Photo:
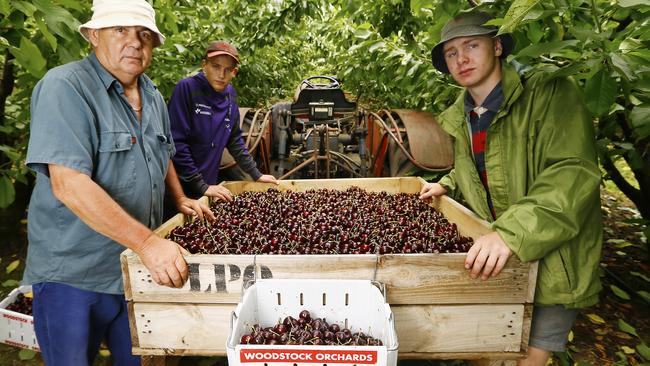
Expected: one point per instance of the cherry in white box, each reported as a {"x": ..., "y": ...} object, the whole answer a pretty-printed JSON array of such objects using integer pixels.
[
  {"x": 358, "y": 305},
  {"x": 17, "y": 329}
]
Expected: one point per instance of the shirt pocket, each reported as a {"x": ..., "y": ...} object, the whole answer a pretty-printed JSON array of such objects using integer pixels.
[
  {"x": 166, "y": 145},
  {"x": 115, "y": 166}
]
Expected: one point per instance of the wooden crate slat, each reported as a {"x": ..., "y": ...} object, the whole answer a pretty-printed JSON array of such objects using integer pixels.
[
  {"x": 443, "y": 279},
  {"x": 409, "y": 279},
  {"x": 459, "y": 328},
  {"x": 212, "y": 279},
  {"x": 177, "y": 327},
  {"x": 186, "y": 329}
]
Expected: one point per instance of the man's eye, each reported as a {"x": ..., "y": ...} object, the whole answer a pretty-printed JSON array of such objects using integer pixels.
[
  {"x": 119, "y": 29},
  {"x": 450, "y": 54}
]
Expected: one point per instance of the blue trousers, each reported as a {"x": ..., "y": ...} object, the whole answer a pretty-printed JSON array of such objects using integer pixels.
[{"x": 71, "y": 323}]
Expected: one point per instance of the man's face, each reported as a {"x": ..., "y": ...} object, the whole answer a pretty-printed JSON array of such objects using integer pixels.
[
  {"x": 473, "y": 61},
  {"x": 219, "y": 70},
  {"x": 124, "y": 51}
]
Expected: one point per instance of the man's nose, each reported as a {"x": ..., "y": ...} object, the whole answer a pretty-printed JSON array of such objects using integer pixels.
[{"x": 134, "y": 38}]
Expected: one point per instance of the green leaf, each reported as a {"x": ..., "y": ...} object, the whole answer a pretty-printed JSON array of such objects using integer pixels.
[
  {"x": 600, "y": 91},
  {"x": 644, "y": 351},
  {"x": 71, "y": 4},
  {"x": 7, "y": 192},
  {"x": 46, "y": 33},
  {"x": 26, "y": 354},
  {"x": 58, "y": 19},
  {"x": 641, "y": 275},
  {"x": 25, "y": 7},
  {"x": 535, "y": 50},
  {"x": 30, "y": 57},
  {"x": 620, "y": 293},
  {"x": 12, "y": 266},
  {"x": 640, "y": 120},
  {"x": 10, "y": 152},
  {"x": 362, "y": 33},
  {"x": 375, "y": 46},
  {"x": 646, "y": 296},
  {"x": 516, "y": 14},
  {"x": 11, "y": 283},
  {"x": 631, "y": 3},
  {"x": 622, "y": 66},
  {"x": 595, "y": 318},
  {"x": 625, "y": 327},
  {"x": 627, "y": 350},
  {"x": 5, "y": 8}
]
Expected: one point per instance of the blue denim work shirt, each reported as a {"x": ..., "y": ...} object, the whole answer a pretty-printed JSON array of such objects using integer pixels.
[{"x": 81, "y": 120}]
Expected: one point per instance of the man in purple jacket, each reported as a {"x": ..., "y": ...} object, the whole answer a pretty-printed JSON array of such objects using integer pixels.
[{"x": 205, "y": 120}]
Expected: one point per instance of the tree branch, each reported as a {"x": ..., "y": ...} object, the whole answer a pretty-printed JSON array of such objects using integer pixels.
[
  {"x": 620, "y": 181},
  {"x": 7, "y": 83}
]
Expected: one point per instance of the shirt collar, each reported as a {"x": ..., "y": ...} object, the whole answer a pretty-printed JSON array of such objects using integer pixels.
[
  {"x": 492, "y": 102},
  {"x": 108, "y": 79}
]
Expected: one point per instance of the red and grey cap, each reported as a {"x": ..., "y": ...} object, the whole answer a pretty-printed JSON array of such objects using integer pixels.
[{"x": 217, "y": 48}]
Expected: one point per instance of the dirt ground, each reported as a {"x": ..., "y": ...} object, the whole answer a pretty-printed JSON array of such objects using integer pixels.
[{"x": 614, "y": 332}]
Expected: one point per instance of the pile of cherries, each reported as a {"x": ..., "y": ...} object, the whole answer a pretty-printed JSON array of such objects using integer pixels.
[
  {"x": 23, "y": 305},
  {"x": 322, "y": 221},
  {"x": 308, "y": 331}
]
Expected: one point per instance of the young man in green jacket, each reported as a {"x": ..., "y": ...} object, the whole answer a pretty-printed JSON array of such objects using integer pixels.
[{"x": 525, "y": 161}]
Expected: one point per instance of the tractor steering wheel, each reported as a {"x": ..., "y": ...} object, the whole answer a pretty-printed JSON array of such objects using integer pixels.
[{"x": 333, "y": 84}]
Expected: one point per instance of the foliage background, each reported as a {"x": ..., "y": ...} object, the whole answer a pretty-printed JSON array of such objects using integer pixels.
[{"x": 378, "y": 49}]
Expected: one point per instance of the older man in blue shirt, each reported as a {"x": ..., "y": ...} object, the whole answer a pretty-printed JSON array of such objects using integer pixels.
[{"x": 101, "y": 145}]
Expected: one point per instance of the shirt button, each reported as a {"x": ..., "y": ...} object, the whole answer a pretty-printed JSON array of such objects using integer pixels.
[
  {"x": 149, "y": 158},
  {"x": 155, "y": 186}
]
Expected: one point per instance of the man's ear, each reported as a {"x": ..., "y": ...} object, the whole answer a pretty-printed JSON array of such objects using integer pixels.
[
  {"x": 498, "y": 47},
  {"x": 234, "y": 72},
  {"x": 93, "y": 36}
]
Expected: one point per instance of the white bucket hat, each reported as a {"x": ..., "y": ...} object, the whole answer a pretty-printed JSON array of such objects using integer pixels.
[{"x": 111, "y": 13}]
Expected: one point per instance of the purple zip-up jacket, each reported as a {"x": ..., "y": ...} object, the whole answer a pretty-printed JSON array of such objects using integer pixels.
[{"x": 201, "y": 131}]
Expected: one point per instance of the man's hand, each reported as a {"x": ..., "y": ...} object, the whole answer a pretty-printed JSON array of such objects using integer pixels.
[
  {"x": 266, "y": 178},
  {"x": 164, "y": 260},
  {"x": 431, "y": 189},
  {"x": 487, "y": 256},
  {"x": 219, "y": 192},
  {"x": 192, "y": 207}
]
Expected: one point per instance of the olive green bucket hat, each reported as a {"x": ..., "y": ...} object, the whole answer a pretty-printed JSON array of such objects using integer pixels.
[{"x": 466, "y": 25}]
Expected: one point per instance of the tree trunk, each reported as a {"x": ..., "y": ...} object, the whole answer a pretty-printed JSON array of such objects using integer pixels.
[{"x": 6, "y": 87}]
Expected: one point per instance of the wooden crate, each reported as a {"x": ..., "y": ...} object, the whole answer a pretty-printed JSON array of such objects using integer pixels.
[{"x": 440, "y": 312}]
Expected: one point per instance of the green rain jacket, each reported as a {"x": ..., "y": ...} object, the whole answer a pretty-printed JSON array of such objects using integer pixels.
[{"x": 543, "y": 178}]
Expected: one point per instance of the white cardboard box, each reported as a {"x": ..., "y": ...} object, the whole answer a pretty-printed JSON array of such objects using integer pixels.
[
  {"x": 358, "y": 304},
  {"x": 17, "y": 329}
]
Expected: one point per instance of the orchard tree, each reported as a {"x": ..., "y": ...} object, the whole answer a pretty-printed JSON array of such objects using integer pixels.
[{"x": 34, "y": 37}]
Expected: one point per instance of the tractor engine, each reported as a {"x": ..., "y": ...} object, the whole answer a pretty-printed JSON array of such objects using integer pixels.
[
  {"x": 323, "y": 135},
  {"x": 320, "y": 135}
]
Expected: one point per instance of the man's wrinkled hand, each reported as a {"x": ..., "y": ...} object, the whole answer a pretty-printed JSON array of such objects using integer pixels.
[
  {"x": 164, "y": 260},
  {"x": 219, "y": 192},
  {"x": 487, "y": 256},
  {"x": 192, "y": 207}
]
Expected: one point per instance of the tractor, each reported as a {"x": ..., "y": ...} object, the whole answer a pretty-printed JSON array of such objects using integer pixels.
[{"x": 322, "y": 134}]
